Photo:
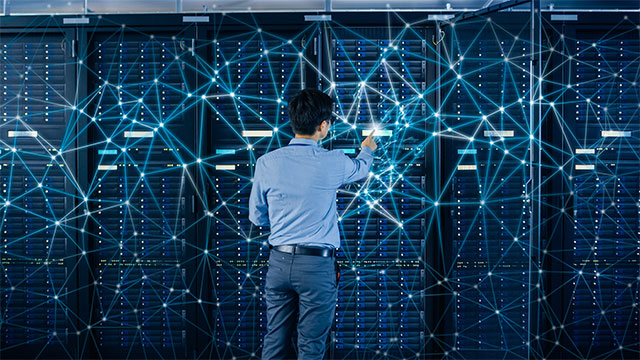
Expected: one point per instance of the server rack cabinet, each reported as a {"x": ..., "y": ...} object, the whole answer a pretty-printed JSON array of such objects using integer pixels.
[
  {"x": 39, "y": 249},
  {"x": 593, "y": 303},
  {"x": 253, "y": 72},
  {"x": 140, "y": 142},
  {"x": 485, "y": 92},
  {"x": 378, "y": 77}
]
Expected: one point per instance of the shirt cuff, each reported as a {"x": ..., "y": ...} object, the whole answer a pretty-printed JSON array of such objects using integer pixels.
[{"x": 367, "y": 150}]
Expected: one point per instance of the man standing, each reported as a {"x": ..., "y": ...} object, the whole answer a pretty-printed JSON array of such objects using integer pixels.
[{"x": 294, "y": 191}]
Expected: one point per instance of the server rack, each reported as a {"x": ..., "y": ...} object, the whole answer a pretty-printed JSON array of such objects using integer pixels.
[
  {"x": 602, "y": 108},
  {"x": 486, "y": 88},
  {"x": 140, "y": 155},
  {"x": 377, "y": 79},
  {"x": 38, "y": 230},
  {"x": 247, "y": 86}
]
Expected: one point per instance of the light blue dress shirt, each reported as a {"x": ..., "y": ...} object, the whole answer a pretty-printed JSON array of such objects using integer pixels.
[{"x": 294, "y": 191}]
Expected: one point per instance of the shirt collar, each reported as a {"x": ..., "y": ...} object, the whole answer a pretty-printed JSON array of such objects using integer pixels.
[{"x": 303, "y": 142}]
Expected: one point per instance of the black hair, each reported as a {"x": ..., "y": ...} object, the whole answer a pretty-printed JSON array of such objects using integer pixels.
[{"x": 308, "y": 109}]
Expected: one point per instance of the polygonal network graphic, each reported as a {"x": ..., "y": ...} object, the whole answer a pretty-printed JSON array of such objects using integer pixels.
[{"x": 500, "y": 218}]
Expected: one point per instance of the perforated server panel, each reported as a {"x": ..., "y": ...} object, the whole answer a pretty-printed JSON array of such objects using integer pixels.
[
  {"x": 488, "y": 153},
  {"x": 251, "y": 80},
  {"x": 38, "y": 249},
  {"x": 138, "y": 197},
  {"x": 377, "y": 81},
  {"x": 604, "y": 241}
]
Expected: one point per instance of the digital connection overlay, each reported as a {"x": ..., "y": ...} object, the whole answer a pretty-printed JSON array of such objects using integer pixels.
[{"x": 500, "y": 219}]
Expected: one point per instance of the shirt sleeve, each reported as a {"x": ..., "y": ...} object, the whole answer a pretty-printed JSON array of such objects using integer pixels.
[
  {"x": 258, "y": 208},
  {"x": 358, "y": 168}
]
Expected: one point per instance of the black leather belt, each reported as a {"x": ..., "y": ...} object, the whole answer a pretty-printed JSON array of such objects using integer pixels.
[{"x": 305, "y": 250}]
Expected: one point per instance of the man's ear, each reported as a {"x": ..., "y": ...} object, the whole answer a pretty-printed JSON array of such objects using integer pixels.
[{"x": 319, "y": 129}]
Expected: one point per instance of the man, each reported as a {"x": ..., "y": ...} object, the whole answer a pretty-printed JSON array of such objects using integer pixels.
[{"x": 294, "y": 191}]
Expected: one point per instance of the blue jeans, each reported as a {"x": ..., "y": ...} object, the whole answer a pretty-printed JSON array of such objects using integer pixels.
[{"x": 301, "y": 293}]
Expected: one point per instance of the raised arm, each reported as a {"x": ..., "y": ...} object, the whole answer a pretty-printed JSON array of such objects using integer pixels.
[
  {"x": 358, "y": 168},
  {"x": 258, "y": 208}
]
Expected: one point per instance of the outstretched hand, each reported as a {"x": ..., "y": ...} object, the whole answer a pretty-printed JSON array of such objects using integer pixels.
[{"x": 370, "y": 142}]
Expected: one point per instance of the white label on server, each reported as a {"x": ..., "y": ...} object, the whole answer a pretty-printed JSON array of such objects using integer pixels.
[
  {"x": 499, "y": 133},
  {"x": 107, "y": 167},
  {"x": 199, "y": 19},
  {"x": 467, "y": 167},
  {"x": 225, "y": 167},
  {"x": 138, "y": 134},
  {"x": 564, "y": 17},
  {"x": 257, "y": 133},
  {"x": 23, "y": 134},
  {"x": 75, "y": 20},
  {"x": 585, "y": 151},
  {"x": 585, "y": 167},
  {"x": 615, "y": 133}
]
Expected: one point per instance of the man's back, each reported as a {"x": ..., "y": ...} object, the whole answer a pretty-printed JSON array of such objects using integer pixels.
[
  {"x": 294, "y": 191},
  {"x": 298, "y": 183}
]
